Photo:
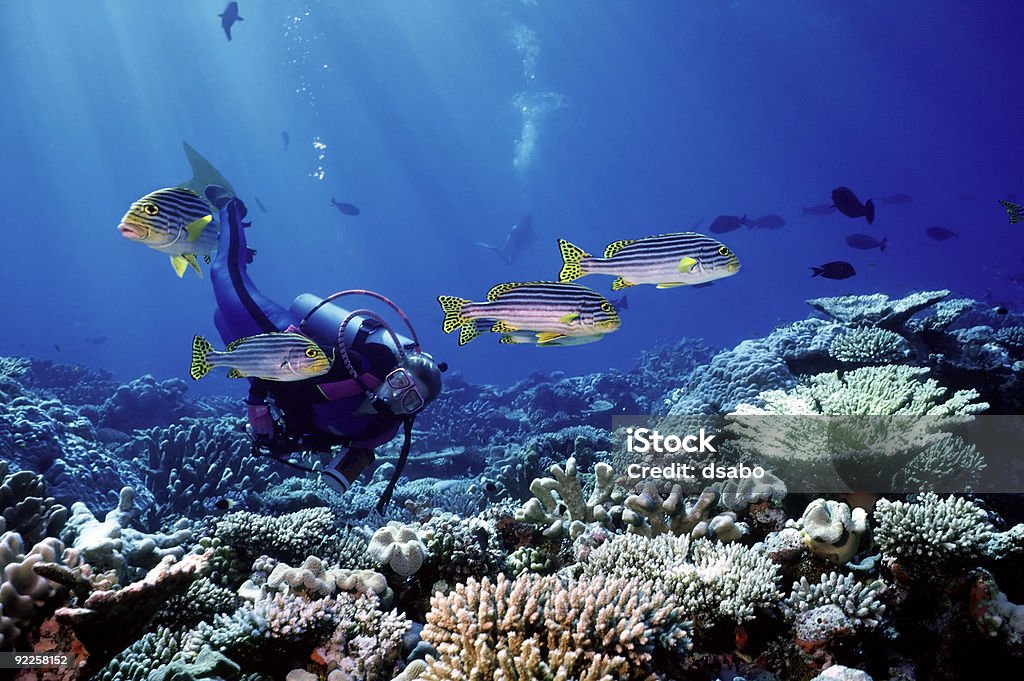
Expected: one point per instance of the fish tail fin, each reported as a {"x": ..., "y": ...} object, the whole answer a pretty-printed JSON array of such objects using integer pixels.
[
  {"x": 1015, "y": 211},
  {"x": 815, "y": 271},
  {"x": 571, "y": 261},
  {"x": 881, "y": 246},
  {"x": 452, "y": 308},
  {"x": 869, "y": 208},
  {"x": 203, "y": 172},
  {"x": 469, "y": 331},
  {"x": 201, "y": 348}
]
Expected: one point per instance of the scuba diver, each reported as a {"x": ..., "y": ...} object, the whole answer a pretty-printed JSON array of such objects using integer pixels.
[{"x": 376, "y": 385}]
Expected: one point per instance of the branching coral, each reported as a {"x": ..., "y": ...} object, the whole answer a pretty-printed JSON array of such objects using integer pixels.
[
  {"x": 858, "y": 601},
  {"x": 868, "y": 345},
  {"x": 539, "y": 627},
  {"x": 877, "y": 309},
  {"x": 558, "y": 502},
  {"x": 290, "y": 537}
]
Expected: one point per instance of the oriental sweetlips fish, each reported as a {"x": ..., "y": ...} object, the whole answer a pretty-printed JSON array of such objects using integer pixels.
[
  {"x": 666, "y": 260},
  {"x": 554, "y": 312},
  {"x": 176, "y": 221},
  {"x": 270, "y": 356},
  {"x": 1015, "y": 211}
]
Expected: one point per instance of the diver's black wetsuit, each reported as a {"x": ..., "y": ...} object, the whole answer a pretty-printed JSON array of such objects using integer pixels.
[{"x": 318, "y": 412}]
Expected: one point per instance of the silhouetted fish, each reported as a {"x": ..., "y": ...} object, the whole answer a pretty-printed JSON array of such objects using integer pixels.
[
  {"x": 866, "y": 242},
  {"x": 727, "y": 223},
  {"x": 518, "y": 240},
  {"x": 897, "y": 199},
  {"x": 769, "y": 221},
  {"x": 228, "y": 18},
  {"x": 346, "y": 208},
  {"x": 259, "y": 203},
  {"x": 940, "y": 233},
  {"x": 285, "y": 139},
  {"x": 96, "y": 340},
  {"x": 56, "y": 347},
  {"x": 849, "y": 205},
  {"x": 836, "y": 269},
  {"x": 820, "y": 209}
]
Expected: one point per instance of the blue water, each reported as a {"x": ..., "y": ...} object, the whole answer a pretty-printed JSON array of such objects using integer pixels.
[{"x": 664, "y": 113}]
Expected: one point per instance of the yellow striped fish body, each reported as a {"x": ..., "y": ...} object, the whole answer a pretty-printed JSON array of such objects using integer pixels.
[
  {"x": 666, "y": 260},
  {"x": 550, "y": 310},
  {"x": 175, "y": 221},
  {"x": 270, "y": 356}
]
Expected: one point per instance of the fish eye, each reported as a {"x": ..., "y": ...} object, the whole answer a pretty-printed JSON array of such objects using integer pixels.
[
  {"x": 608, "y": 307},
  {"x": 311, "y": 353},
  {"x": 150, "y": 208},
  {"x": 722, "y": 250}
]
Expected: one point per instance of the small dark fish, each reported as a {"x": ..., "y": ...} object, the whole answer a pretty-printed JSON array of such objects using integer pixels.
[
  {"x": 56, "y": 347},
  {"x": 259, "y": 203},
  {"x": 1000, "y": 310},
  {"x": 836, "y": 269},
  {"x": 849, "y": 205},
  {"x": 229, "y": 17},
  {"x": 346, "y": 208},
  {"x": 727, "y": 223},
  {"x": 967, "y": 198},
  {"x": 1015, "y": 211},
  {"x": 820, "y": 209},
  {"x": 897, "y": 199},
  {"x": 518, "y": 240},
  {"x": 940, "y": 233},
  {"x": 770, "y": 221},
  {"x": 286, "y": 139},
  {"x": 96, "y": 340},
  {"x": 866, "y": 242}
]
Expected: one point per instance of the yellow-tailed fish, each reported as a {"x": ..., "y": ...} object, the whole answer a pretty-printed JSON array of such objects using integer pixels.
[
  {"x": 270, "y": 356},
  {"x": 550, "y": 310},
  {"x": 175, "y": 221},
  {"x": 178, "y": 221},
  {"x": 666, "y": 260}
]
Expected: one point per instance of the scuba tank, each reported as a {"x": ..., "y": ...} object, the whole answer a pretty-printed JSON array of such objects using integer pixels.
[{"x": 321, "y": 320}]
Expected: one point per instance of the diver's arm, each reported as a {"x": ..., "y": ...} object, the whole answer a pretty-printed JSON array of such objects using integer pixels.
[{"x": 241, "y": 309}]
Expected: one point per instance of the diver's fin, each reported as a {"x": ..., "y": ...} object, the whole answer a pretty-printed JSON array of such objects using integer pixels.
[
  {"x": 452, "y": 308},
  {"x": 190, "y": 258},
  {"x": 620, "y": 284},
  {"x": 502, "y": 327},
  {"x": 203, "y": 173},
  {"x": 571, "y": 257},
  {"x": 235, "y": 373},
  {"x": 200, "y": 365},
  {"x": 671, "y": 284},
  {"x": 179, "y": 264},
  {"x": 548, "y": 336},
  {"x": 686, "y": 264},
  {"x": 569, "y": 318},
  {"x": 616, "y": 246},
  {"x": 195, "y": 228},
  {"x": 468, "y": 332}
]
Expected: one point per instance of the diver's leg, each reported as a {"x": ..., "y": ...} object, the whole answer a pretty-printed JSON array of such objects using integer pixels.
[{"x": 241, "y": 309}]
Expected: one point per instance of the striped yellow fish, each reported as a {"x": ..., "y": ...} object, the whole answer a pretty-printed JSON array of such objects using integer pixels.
[
  {"x": 550, "y": 310},
  {"x": 270, "y": 356},
  {"x": 666, "y": 260},
  {"x": 176, "y": 221},
  {"x": 1015, "y": 211}
]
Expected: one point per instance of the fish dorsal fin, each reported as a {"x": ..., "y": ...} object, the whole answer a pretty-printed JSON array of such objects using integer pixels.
[
  {"x": 196, "y": 227},
  {"x": 493, "y": 294},
  {"x": 233, "y": 344},
  {"x": 179, "y": 264},
  {"x": 203, "y": 173},
  {"x": 616, "y": 246}
]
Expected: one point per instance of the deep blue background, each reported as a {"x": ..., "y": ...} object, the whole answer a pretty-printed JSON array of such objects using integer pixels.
[{"x": 675, "y": 111}]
